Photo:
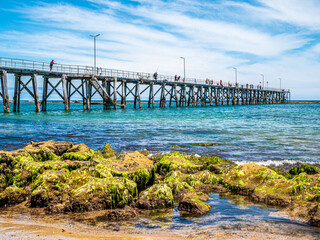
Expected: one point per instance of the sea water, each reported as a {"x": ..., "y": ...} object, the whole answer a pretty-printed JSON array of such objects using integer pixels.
[
  {"x": 266, "y": 134},
  {"x": 262, "y": 133}
]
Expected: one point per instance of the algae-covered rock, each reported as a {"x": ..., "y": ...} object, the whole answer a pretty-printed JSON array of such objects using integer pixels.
[
  {"x": 49, "y": 188},
  {"x": 118, "y": 214},
  {"x": 107, "y": 151},
  {"x": 203, "y": 144},
  {"x": 80, "y": 152},
  {"x": 12, "y": 195},
  {"x": 176, "y": 180},
  {"x": 194, "y": 204},
  {"x": 177, "y": 161},
  {"x": 260, "y": 183},
  {"x": 105, "y": 193},
  {"x": 304, "y": 168},
  {"x": 156, "y": 197},
  {"x": 57, "y": 148},
  {"x": 134, "y": 166}
]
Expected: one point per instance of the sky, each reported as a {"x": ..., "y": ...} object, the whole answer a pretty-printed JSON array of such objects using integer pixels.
[{"x": 276, "y": 38}]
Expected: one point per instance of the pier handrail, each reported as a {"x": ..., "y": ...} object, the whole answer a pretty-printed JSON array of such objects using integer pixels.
[{"x": 105, "y": 72}]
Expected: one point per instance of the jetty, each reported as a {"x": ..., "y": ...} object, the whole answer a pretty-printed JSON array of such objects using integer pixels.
[{"x": 116, "y": 88}]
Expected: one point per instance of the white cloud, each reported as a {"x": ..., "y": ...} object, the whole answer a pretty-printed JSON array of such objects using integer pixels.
[{"x": 155, "y": 34}]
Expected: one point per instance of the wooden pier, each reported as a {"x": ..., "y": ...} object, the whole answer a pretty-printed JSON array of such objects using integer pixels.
[{"x": 115, "y": 88}]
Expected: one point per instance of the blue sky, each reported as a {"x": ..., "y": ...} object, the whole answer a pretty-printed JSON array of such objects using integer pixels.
[{"x": 277, "y": 38}]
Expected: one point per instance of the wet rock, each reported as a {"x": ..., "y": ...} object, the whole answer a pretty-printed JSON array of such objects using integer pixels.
[
  {"x": 203, "y": 144},
  {"x": 107, "y": 151},
  {"x": 79, "y": 152},
  {"x": 118, "y": 214},
  {"x": 134, "y": 166},
  {"x": 144, "y": 152},
  {"x": 49, "y": 188},
  {"x": 176, "y": 180},
  {"x": 156, "y": 197},
  {"x": 194, "y": 204},
  {"x": 57, "y": 148},
  {"x": 177, "y": 161},
  {"x": 104, "y": 193},
  {"x": 175, "y": 146},
  {"x": 309, "y": 169},
  {"x": 12, "y": 195}
]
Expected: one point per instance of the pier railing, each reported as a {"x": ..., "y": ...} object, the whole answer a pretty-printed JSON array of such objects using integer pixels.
[{"x": 89, "y": 70}]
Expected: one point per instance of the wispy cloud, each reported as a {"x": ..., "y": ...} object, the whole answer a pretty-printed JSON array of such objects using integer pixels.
[{"x": 268, "y": 36}]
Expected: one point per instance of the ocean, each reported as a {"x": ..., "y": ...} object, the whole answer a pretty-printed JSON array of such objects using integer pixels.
[{"x": 261, "y": 133}]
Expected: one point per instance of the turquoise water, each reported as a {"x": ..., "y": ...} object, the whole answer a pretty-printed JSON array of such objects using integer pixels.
[{"x": 241, "y": 133}]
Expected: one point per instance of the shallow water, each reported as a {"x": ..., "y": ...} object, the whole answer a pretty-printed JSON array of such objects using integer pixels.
[
  {"x": 241, "y": 133},
  {"x": 231, "y": 217}
]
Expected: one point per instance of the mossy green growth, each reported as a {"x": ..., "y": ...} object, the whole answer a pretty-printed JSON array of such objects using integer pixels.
[
  {"x": 172, "y": 179},
  {"x": 134, "y": 166},
  {"x": 42, "y": 155},
  {"x": 49, "y": 187},
  {"x": 79, "y": 156},
  {"x": 177, "y": 161},
  {"x": 205, "y": 177},
  {"x": 155, "y": 197},
  {"x": 107, "y": 151},
  {"x": 251, "y": 175},
  {"x": 193, "y": 204},
  {"x": 12, "y": 195},
  {"x": 103, "y": 193},
  {"x": 308, "y": 169},
  {"x": 176, "y": 180}
]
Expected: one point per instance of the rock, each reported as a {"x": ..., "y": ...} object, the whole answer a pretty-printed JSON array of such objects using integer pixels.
[
  {"x": 304, "y": 168},
  {"x": 80, "y": 152},
  {"x": 118, "y": 214},
  {"x": 205, "y": 177},
  {"x": 203, "y": 144},
  {"x": 107, "y": 151},
  {"x": 156, "y": 197},
  {"x": 57, "y": 148},
  {"x": 134, "y": 166},
  {"x": 12, "y": 195},
  {"x": 49, "y": 188},
  {"x": 175, "y": 146},
  {"x": 104, "y": 193},
  {"x": 177, "y": 161},
  {"x": 176, "y": 180},
  {"x": 77, "y": 101},
  {"x": 193, "y": 204}
]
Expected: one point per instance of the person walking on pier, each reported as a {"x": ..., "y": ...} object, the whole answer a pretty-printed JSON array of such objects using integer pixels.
[
  {"x": 51, "y": 64},
  {"x": 155, "y": 76}
]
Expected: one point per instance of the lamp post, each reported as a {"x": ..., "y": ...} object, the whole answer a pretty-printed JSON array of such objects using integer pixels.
[
  {"x": 280, "y": 83},
  {"x": 262, "y": 75},
  {"x": 267, "y": 85},
  {"x": 95, "y": 52},
  {"x": 236, "y": 75},
  {"x": 184, "y": 68}
]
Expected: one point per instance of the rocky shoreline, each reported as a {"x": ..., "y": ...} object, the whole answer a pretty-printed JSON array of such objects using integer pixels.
[{"x": 63, "y": 177}]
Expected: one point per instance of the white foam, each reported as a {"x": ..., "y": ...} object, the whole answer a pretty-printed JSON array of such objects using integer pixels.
[{"x": 278, "y": 162}]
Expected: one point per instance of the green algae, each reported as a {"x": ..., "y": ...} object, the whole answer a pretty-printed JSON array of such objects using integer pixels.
[
  {"x": 12, "y": 195},
  {"x": 156, "y": 197},
  {"x": 308, "y": 169},
  {"x": 103, "y": 193}
]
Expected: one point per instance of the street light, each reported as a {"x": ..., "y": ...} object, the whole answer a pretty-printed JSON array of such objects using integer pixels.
[
  {"x": 95, "y": 51},
  {"x": 262, "y": 75},
  {"x": 267, "y": 85},
  {"x": 280, "y": 83},
  {"x": 236, "y": 74},
  {"x": 184, "y": 68}
]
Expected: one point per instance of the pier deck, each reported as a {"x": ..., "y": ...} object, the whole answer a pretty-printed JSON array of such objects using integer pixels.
[{"x": 116, "y": 87}]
